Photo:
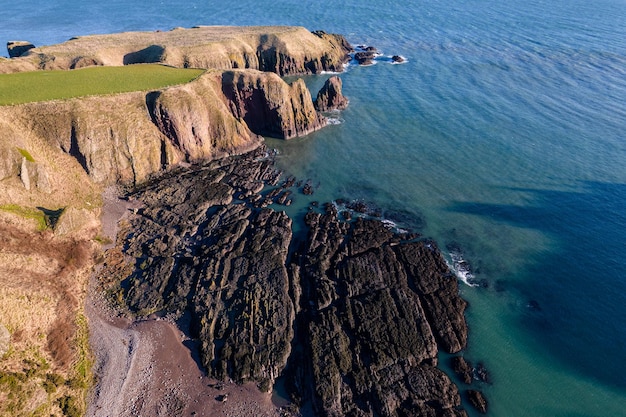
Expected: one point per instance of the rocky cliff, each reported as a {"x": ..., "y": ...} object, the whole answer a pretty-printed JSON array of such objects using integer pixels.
[
  {"x": 330, "y": 96},
  {"x": 353, "y": 314},
  {"x": 268, "y": 107},
  {"x": 125, "y": 138},
  {"x": 280, "y": 49}
]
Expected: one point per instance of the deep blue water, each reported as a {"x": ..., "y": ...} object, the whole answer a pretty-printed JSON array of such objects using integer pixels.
[{"x": 503, "y": 134}]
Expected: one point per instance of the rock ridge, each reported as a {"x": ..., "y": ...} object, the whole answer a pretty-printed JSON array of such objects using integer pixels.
[{"x": 353, "y": 315}]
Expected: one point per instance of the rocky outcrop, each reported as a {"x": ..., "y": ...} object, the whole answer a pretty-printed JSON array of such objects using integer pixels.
[
  {"x": 280, "y": 49},
  {"x": 354, "y": 313},
  {"x": 18, "y": 48},
  {"x": 330, "y": 97},
  {"x": 269, "y": 106},
  {"x": 478, "y": 401},
  {"x": 463, "y": 369},
  {"x": 372, "y": 333},
  {"x": 222, "y": 264},
  {"x": 365, "y": 55}
]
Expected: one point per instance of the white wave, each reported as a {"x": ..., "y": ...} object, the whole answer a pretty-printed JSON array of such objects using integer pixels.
[
  {"x": 462, "y": 269},
  {"x": 334, "y": 120}
]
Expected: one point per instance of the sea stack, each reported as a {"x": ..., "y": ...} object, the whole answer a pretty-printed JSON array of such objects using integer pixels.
[{"x": 330, "y": 96}]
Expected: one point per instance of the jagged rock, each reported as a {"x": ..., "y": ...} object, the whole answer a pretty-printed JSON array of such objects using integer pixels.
[
  {"x": 397, "y": 59},
  {"x": 330, "y": 96},
  {"x": 33, "y": 173},
  {"x": 269, "y": 106},
  {"x": 369, "y": 331},
  {"x": 483, "y": 374},
  {"x": 462, "y": 368},
  {"x": 18, "y": 48},
  {"x": 365, "y": 58},
  {"x": 370, "y": 305},
  {"x": 478, "y": 401}
]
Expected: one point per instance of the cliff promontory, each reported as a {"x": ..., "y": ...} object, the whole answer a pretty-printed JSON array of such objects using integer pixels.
[
  {"x": 280, "y": 49},
  {"x": 57, "y": 157},
  {"x": 127, "y": 137}
]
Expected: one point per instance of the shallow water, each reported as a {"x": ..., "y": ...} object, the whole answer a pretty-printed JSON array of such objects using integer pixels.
[{"x": 502, "y": 134}]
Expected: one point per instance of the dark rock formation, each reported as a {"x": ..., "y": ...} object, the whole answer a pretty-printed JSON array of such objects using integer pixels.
[
  {"x": 354, "y": 314},
  {"x": 222, "y": 264},
  {"x": 18, "y": 48},
  {"x": 478, "y": 400},
  {"x": 365, "y": 58},
  {"x": 330, "y": 96},
  {"x": 462, "y": 368},
  {"x": 371, "y": 342},
  {"x": 397, "y": 59}
]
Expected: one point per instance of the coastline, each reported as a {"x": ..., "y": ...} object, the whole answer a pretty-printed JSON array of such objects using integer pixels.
[{"x": 224, "y": 200}]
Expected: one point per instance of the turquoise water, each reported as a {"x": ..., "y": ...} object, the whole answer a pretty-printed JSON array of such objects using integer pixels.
[{"x": 503, "y": 134}]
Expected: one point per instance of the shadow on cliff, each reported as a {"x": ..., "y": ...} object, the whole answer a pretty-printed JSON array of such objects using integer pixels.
[
  {"x": 251, "y": 105},
  {"x": 151, "y": 54},
  {"x": 576, "y": 293}
]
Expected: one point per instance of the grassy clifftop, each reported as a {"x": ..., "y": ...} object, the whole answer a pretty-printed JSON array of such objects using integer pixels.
[{"x": 32, "y": 86}]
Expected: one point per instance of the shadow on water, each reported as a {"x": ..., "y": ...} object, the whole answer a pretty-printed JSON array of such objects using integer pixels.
[{"x": 575, "y": 294}]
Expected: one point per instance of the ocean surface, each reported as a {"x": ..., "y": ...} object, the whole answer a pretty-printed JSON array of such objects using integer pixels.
[{"x": 502, "y": 137}]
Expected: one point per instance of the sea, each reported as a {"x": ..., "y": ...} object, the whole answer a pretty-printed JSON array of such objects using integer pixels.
[{"x": 502, "y": 137}]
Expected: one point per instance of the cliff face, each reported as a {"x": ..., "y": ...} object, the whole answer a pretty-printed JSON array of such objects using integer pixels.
[
  {"x": 280, "y": 49},
  {"x": 126, "y": 138},
  {"x": 268, "y": 106}
]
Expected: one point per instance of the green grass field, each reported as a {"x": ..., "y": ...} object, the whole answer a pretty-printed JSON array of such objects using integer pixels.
[{"x": 27, "y": 87}]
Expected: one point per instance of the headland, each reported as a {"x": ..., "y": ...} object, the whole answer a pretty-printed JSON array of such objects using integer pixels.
[{"x": 348, "y": 319}]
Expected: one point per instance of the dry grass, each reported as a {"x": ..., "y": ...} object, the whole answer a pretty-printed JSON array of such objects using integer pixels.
[{"x": 42, "y": 290}]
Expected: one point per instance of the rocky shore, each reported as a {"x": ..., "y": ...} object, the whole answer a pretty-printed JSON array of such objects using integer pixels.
[
  {"x": 207, "y": 302},
  {"x": 349, "y": 317}
]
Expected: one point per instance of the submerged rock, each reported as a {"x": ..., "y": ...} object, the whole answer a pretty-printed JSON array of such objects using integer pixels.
[
  {"x": 478, "y": 401},
  {"x": 462, "y": 368}
]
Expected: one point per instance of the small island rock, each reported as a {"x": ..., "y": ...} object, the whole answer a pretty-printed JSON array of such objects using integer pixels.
[{"x": 330, "y": 96}]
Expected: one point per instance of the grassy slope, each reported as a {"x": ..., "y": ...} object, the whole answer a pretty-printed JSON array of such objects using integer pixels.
[{"x": 35, "y": 86}]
